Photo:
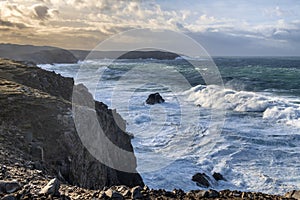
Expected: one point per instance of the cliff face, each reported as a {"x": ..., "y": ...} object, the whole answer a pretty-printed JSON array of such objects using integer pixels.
[{"x": 37, "y": 127}]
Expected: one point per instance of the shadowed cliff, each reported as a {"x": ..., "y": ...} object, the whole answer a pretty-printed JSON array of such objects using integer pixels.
[{"x": 37, "y": 127}]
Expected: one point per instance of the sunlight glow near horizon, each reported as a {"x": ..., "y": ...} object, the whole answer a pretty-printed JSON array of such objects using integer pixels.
[{"x": 222, "y": 27}]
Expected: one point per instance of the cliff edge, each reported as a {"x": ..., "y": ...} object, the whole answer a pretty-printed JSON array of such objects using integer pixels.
[{"x": 37, "y": 129}]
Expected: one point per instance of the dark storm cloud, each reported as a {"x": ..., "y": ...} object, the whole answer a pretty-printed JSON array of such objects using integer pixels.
[
  {"x": 41, "y": 12},
  {"x": 11, "y": 24},
  {"x": 220, "y": 43}
]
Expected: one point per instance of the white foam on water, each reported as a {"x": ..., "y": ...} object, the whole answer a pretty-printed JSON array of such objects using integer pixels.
[
  {"x": 289, "y": 115},
  {"x": 273, "y": 108}
]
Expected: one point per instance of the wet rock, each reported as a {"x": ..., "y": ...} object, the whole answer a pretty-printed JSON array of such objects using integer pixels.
[
  {"x": 9, "y": 186},
  {"x": 218, "y": 177},
  {"x": 201, "y": 179},
  {"x": 154, "y": 98},
  {"x": 51, "y": 188}
]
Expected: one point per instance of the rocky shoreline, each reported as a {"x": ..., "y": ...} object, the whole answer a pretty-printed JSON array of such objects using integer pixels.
[
  {"x": 42, "y": 157},
  {"x": 25, "y": 182}
]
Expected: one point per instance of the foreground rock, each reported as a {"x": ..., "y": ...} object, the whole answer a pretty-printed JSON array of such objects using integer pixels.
[
  {"x": 9, "y": 186},
  {"x": 51, "y": 188},
  {"x": 37, "y": 129},
  {"x": 32, "y": 181},
  {"x": 154, "y": 98},
  {"x": 293, "y": 194}
]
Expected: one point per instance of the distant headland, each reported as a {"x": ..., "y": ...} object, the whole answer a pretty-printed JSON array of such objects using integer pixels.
[{"x": 50, "y": 55}]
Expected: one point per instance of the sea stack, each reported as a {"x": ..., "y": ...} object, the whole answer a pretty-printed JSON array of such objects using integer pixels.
[{"x": 154, "y": 99}]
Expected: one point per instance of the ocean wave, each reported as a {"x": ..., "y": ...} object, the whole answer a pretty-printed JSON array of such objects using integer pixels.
[
  {"x": 273, "y": 108},
  {"x": 289, "y": 115},
  {"x": 190, "y": 58}
]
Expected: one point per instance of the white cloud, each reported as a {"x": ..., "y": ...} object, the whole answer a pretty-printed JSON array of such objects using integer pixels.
[{"x": 90, "y": 21}]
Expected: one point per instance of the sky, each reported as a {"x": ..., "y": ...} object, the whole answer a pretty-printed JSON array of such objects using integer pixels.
[{"x": 228, "y": 28}]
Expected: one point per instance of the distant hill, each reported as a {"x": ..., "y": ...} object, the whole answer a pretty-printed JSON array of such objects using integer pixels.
[
  {"x": 36, "y": 54},
  {"x": 161, "y": 55},
  {"x": 50, "y": 55}
]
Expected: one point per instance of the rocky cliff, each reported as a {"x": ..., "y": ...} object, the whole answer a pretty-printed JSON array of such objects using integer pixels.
[{"x": 37, "y": 129}]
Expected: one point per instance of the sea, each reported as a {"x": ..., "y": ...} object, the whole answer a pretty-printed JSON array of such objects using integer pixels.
[{"x": 246, "y": 127}]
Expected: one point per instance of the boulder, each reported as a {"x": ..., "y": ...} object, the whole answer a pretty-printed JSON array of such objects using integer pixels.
[
  {"x": 154, "y": 98},
  {"x": 9, "y": 186},
  {"x": 218, "y": 177},
  {"x": 201, "y": 194},
  {"x": 213, "y": 194},
  {"x": 9, "y": 197},
  {"x": 51, "y": 188},
  {"x": 114, "y": 194},
  {"x": 136, "y": 193},
  {"x": 201, "y": 179},
  {"x": 293, "y": 194}
]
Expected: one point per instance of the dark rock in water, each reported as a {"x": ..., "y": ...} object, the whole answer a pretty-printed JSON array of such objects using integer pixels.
[
  {"x": 154, "y": 98},
  {"x": 218, "y": 177},
  {"x": 51, "y": 188},
  {"x": 9, "y": 186},
  {"x": 201, "y": 179}
]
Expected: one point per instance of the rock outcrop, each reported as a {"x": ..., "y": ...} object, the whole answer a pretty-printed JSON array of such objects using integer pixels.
[
  {"x": 218, "y": 176},
  {"x": 154, "y": 99},
  {"x": 37, "y": 127},
  {"x": 201, "y": 179}
]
